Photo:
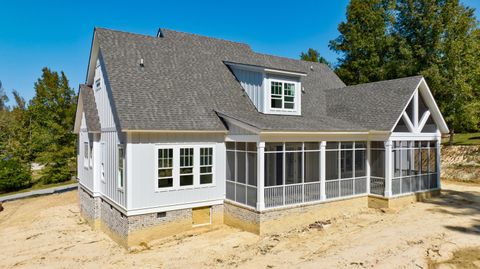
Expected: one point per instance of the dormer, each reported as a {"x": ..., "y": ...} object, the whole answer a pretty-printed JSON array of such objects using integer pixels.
[{"x": 272, "y": 91}]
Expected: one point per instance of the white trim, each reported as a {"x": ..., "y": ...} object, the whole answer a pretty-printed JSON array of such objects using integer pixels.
[
  {"x": 148, "y": 210},
  {"x": 176, "y": 166},
  {"x": 423, "y": 121},
  {"x": 297, "y": 108},
  {"x": 174, "y": 131},
  {"x": 264, "y": 69},
  {"x": 408, "y": 122}
]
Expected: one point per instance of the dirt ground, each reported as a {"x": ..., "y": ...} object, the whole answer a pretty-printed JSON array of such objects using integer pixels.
[{"x": 47, "y": 232}]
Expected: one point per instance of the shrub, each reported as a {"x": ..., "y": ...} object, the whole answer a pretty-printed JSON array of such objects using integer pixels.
[{"x": 14, "y": 175}]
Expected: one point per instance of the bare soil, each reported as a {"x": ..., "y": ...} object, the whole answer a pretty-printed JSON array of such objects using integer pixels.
[{"x": 48, "y": 232}]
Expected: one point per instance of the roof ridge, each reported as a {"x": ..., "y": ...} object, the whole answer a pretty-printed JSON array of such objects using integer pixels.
[
  {"x": 381, "y": 81},
  {"x": 123, "y": 32},
  {"x": 209, "y": 37}
]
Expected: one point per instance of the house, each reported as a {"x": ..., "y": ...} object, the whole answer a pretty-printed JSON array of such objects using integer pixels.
[{"x": 179, "y": 130}]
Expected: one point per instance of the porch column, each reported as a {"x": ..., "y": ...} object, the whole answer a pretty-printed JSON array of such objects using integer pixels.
[
  {"x": 388, "y": 168},
  {"x": 438, "y": 144},
  {"x": 367, "y": 167},
  {"x": 260, "y": 175},
  {"x": 323, "y": 145}
]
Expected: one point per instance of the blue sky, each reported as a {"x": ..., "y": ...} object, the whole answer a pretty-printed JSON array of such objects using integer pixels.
[{"x": 57, "y": 34}]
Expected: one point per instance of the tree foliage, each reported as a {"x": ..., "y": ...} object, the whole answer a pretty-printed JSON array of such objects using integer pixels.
[
  {"x": 38, "y": 133},
  {"x": 313, "y": 56},
  {"x": 439, "y": 39},
  {"x": 52, "y": 113}
]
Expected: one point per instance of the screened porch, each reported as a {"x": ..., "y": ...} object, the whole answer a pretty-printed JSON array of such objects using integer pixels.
[{"x": 264, "y": 175}]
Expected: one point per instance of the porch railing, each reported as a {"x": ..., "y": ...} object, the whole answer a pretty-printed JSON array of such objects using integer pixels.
[
  {"x": 377, "y": 185},
  {"x": 414, "y": 183},
  {"x": 345, "y": 187},
  {"x": 241, "y": 193},
  {"x": 282, "y": 195}
]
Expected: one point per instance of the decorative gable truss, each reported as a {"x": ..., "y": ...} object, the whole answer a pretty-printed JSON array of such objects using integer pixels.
[{"x": 422, "y": 114}]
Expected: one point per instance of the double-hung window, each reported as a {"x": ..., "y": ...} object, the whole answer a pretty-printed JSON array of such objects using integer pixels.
[
  {"x": 121, "y": 166},
  {"x": 165, "y": 168},
  {"x": 186, "y": 166},
  {"x": 282, "y": 95},
  {"x": 206, "y": 165}
]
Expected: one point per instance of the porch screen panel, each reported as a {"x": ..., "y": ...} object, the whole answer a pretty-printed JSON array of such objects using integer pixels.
[
  {"x": 241, "y": 173},
  {"x": 377, "y": 167},
  {"x": 418, "y": 169}
]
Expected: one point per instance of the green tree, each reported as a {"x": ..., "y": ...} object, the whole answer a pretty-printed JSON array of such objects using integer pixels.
[
  {"x": 444, "y": 43},
  {"x": 439, "y": 39},
  {"x": 314, "y": 56},
  {"x": 52, "y": 113},
  {"x": 364, "y": 43},
  {"x": 14, "y": 175},
  {"x": 3, "y": 98}
]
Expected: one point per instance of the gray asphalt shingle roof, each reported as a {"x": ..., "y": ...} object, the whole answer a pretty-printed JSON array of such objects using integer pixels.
[
  {"x": 185, "y": 81},
  {"x": 90, "y": 108}
]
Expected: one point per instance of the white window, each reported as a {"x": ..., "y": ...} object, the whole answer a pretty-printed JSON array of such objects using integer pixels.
[
  {"x": 206, "y": 165},
  {"x": 102, "y": 161},
  {"x": 282, "y": 95},
  {"x": 165, "y": 168},
  {"x": 98, "y": 84},
  {"x": 186, "y": 166},
  {"x": 85, "y": 154},
  {"x": 121, "y": 167},
  {"x": 90, "y": 156}
]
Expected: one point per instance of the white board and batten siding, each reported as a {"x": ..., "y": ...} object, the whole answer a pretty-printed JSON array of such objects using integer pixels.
[
  {"x": 109, "y": 140},
  {"x": 145, "y": 197},
  {"x": 85, "y": 172},
  {"x": 252, "y": 83}
]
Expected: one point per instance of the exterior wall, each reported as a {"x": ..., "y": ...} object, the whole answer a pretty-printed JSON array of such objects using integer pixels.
[
  {"x": 252, "y": 82},
  {"x": 141, "y": 164},
  {"x": 108, "y": 140},
  {"x": 89, "y": 206},
  {"x": 109, "y": 186},
  {"x": 84, "y": 171}
]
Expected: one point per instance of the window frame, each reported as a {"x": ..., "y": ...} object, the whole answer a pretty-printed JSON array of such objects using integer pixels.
[
  {"x": 176, "y": 166},
  {"x": 86, "y": 149},
  {"x": 123, "y": 162},
  {"x": 192, "y": 166},
  {"x": 158, "y": 177},
  {"x": 208, "y": 157},
  {"x": 296, "y": 96}
]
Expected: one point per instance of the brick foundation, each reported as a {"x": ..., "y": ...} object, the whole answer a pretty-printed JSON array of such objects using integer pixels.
[{"x": 133, "y": 230}]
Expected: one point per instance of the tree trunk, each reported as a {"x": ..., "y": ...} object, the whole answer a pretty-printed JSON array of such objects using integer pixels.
[{"x": 450, "y": 139}]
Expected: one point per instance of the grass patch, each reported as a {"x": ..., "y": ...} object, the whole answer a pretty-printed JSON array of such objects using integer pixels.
[
  {"x": 40, "y": 186},
  {"x": 464, "y": 139}
]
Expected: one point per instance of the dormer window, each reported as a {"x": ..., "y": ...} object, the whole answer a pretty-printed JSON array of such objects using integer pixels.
[{"x": 282, "y": 95}]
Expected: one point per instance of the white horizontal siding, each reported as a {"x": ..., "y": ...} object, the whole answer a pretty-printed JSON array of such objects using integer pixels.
[{"x": 143, "y": 193}]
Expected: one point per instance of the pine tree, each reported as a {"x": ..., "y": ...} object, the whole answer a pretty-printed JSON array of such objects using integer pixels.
[{"x": 52, "y": 113}]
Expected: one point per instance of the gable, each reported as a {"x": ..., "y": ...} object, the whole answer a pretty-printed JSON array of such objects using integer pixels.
[{"x": 421, "y": 114}]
